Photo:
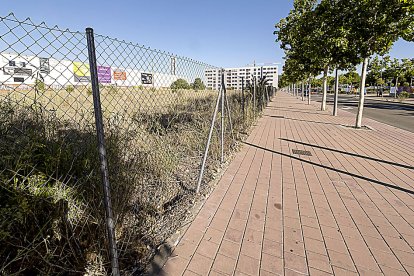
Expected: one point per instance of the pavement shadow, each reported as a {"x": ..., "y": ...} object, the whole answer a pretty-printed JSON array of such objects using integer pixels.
[
  {"x": 350, "y": 153},
  {"x": 297, "y": 111},
  {"x": 374, "y": 104},
  {"x": 300, "y": 120},
  {"x": 159, "y": 260},
  {"x": 336, "y": 170}
]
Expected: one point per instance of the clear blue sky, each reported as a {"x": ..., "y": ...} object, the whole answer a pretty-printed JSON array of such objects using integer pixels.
[{"x": 222, "y": 33}]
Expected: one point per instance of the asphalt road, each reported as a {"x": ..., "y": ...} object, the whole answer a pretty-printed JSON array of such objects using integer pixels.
[{"x": 391, "y": 113}]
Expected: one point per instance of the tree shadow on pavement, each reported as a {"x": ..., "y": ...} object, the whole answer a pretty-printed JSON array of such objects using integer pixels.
[
  {"x": 297, "y": 111},
  {"x": 350, "y": 153},
  {"x": 307, "y": 121},
  {"x": 336, "y": 170}
]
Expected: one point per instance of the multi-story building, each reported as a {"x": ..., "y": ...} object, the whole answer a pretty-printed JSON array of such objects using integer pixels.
[{"x": 234, "y": 77}]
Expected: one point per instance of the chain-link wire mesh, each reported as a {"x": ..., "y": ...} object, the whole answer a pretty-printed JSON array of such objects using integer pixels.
[{"x": 156, "y": 113}]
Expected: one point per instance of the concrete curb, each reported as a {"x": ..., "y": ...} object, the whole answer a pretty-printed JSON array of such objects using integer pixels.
[{"x": 385, "y": 101}]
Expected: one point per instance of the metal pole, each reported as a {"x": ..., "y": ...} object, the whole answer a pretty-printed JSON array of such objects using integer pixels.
[
  {"x": 102, "y": 152},
  {"x": 243, "y": 96},
  {"x": 336, "y": 92},
  {"x": 228, "y": 112},
  {"x": 222, "y": 118},
  {"x": 396, "y": 88},
  {"x": 265, "y": 91},
  {"x": 254, "y": 97},
  {"x": 263, "y": 97},
  {"x": 303, "y": 88},
  {"x": 309, "y": 92},
  {"x": 203, "y": 164}
]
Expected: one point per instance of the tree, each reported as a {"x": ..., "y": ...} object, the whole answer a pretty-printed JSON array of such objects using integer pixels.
[
  {"x": 198, "y": 84},
  {"x": 353, "y": 78},
  {"x": 180, "y": 84},
  {"x": 341, "y": 33},
  {"x": 408, "y": 65},
  {"x": 397, "y": 70},
  {"x": 313, "y": 32},
  {"x": 375, "y": 68},
  {"x": 373, "y": 26},
  {"x": 343, "y": 79},
  {"x": 293, "y": 34}
]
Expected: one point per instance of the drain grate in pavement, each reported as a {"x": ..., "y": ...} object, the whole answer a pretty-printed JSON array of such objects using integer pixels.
[{"x": 301, "y": 152}]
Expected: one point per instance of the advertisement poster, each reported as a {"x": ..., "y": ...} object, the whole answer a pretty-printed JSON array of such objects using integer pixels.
[
  {"x": 146, "y": 78},
  {"x": 119, "y": 75},
  {"x": 104, "y": 74},
  {"x": 81, "y": 72},
  {"x": 44, "y": 65},
  {"x": 17, "y": 68}
]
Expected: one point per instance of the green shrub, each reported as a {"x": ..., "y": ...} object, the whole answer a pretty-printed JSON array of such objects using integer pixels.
[
  {"x": 403, "y": 95},
  {"x": 198, "y": 84},
  {"x": 69, "y": 88},
  {"x": 39, "y": 86},
  {"x": 180, "y": 84}
]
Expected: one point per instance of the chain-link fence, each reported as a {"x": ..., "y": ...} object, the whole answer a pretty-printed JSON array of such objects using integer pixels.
[{"x": 156, "y": 115}]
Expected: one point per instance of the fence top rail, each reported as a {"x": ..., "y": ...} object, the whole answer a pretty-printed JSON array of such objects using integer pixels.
[{"x": 29, "y": 22}]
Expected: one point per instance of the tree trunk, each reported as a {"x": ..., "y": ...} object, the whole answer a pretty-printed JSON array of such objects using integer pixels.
[
  {"x": 324, "y": 88},
  {"x": 358, "y": 123},
  {"x": 309, "y": 92},
  {"x": 303, "y": 89},
  {"x": 336, "y": 92},
  {"x": 396, "y": 87}
]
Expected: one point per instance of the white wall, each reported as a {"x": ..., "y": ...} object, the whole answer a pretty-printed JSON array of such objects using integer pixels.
[{"x": 61, "y": 73}]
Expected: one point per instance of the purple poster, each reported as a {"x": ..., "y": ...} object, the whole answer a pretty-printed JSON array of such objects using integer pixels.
[{"x": 104, "y": 74}]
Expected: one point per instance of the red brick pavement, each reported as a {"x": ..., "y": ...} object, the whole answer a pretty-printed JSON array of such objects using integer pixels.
[{"x": 346, "y": 210}]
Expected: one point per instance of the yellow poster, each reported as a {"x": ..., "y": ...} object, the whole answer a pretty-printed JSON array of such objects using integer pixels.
[{"x": 81, "y": 72}]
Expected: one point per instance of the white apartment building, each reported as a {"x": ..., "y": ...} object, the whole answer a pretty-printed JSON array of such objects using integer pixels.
[{"x": 234, "y": 77}]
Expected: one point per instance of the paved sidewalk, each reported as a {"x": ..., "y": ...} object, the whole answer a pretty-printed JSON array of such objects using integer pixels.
[{"x": 347, "y": 209}]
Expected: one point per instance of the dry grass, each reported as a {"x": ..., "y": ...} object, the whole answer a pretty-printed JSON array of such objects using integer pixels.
[
  {"x": 155, "y": 140},
  {"x": 76, "y": 103}
]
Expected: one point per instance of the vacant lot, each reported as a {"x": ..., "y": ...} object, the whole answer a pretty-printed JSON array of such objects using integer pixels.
[{"x": 52, "y": 216}]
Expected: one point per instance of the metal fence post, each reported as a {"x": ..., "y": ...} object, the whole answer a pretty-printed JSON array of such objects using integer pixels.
[
  {"x": 102, "y": 152},
  {"x": 228, "y": 111},
  {"x": 203, "y": 164},
  {"x": 222, "y": 117},
  {"x": 243, "y": 96},
  {"x": 254, "y": 97}
]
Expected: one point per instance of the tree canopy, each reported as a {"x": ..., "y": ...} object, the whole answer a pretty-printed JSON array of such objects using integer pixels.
[
  {"x": 320, "y": 34},
  {"x": 198, "y": 84},
  {"x": 180, "y": 84}
]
